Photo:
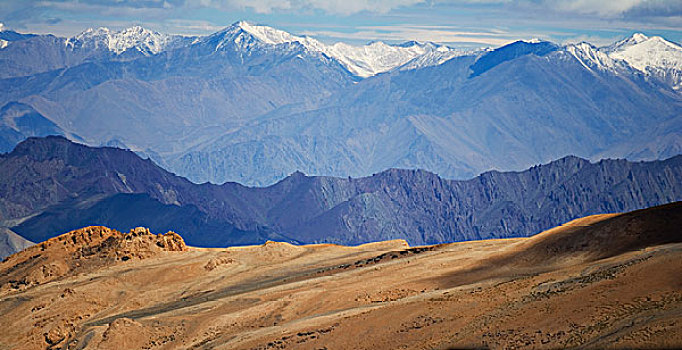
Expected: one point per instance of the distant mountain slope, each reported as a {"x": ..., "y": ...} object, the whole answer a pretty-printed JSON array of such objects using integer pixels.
[
  {"x": 63, "y": 186},
  {"x": 19, "y": 121},
  {"x": 510, "y": 52},
  {"x": 11, "y": 243},
  {"x": 521, "y": 111},
  {"x": 190, "y": 94},
  {"x": 28, "y": 54},
  {"x": 251, "y": 103}
]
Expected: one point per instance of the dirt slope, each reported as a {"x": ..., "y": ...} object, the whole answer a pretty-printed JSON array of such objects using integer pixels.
[{"x": 610, "y": 281}]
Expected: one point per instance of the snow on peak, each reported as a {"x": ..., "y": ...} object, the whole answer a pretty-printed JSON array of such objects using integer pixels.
[
  {"x": 3, "y": 43},
  {"x": 137, "y": 37},
  {"x": 634, "y": 39},
  {"x": 639, "y": 37},
  {"x": 642, "y": 52},
  {"x": 434, "y": 57},
  {"x": 140, "y": 38},
  {"x": 650, "y": 55},
  {"x": 378, "y": 57},
  {"x": 93, "y": 33},
  {"x": 591, "y": 57},
  {"x": 269, "y": 35},
  {"x": 247, "y": 36},
  {"x": 367, "y": 60}
]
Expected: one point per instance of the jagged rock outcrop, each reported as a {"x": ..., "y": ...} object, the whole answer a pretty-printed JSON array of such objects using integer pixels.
[{"x": 81, "y": 251}]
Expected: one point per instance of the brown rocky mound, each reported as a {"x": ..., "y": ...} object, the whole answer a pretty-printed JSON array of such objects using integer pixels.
[{"x": 81, "y": 251}]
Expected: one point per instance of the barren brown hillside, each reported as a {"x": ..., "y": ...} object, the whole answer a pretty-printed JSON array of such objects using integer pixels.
[{"x": 609, "y": 281}]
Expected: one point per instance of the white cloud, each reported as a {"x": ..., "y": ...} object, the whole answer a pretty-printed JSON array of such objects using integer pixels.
[
  {"x": 603, "y": 8},
  {"x": 592, "y": 39},
  {"x": 438, "y": 34},
  {"x": 187, "y": 27},
  {"x": 341, "y": 7},
  {"x": 347, "y": 7}
]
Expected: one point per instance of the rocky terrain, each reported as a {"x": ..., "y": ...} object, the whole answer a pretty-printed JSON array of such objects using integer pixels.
[
  {"x": 51, "y": 186},
  {"x": 595, "y": 282},
  {"x": 82, "y": 251}
]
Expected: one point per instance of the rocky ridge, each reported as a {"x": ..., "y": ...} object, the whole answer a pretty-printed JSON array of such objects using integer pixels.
[
  {"x": 73, "y": 186},
  {"x": 81, "y": 251}
]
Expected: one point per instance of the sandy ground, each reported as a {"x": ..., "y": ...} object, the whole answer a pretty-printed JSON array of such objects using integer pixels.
[{"x": 611, "y": 281}]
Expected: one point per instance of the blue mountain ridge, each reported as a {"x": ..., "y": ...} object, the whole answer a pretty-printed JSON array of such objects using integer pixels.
[{"x": 57, "y": 185}]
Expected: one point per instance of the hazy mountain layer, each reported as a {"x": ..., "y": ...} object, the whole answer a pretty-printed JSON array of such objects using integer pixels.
[
  {"x": 252, "y": 103},
  {"x": 520, "y": 112},
  {"x": 11, "y": 243}
]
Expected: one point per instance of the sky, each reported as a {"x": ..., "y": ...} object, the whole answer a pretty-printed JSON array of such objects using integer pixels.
[{"x": 464, "y": 23}]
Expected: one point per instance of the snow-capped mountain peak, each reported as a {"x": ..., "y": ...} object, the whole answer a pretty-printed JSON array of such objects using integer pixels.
[
  {"x": 92, "y": 33},
  {"x": 265, "y": 34},
  {"x": 140, "y": 38},
  {"x": 635, "y": 39},
  {"x": 638, "y": 38},
  {"x": 651, "y": 55},
  {"x": 367, "y": 60},
  {"x": 144, "y": 40},
  {"x": 378, "y": 57},
  {"x": 244, "y": 36},
  {"x": 271, "y": 35}
]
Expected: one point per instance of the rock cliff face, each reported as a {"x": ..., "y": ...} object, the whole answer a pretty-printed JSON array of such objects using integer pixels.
[
  {"x": 64, "y": 186},
  {"x": 423, "y": 208}
]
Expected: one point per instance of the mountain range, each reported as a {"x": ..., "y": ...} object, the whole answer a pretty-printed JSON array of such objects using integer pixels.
[
  {"x": 52, "y": 185},
  {"x": 253, "y": 104}
]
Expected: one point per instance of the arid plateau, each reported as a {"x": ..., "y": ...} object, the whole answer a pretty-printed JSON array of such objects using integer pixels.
[{"x": 605, "y": 281}]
